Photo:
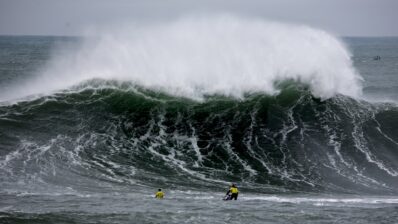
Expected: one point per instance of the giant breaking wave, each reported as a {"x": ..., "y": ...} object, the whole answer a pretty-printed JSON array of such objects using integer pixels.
[{"x": 197, "y": 104}]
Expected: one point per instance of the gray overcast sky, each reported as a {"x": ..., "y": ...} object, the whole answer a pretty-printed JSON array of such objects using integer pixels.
[{"x": 70, "y": 17}]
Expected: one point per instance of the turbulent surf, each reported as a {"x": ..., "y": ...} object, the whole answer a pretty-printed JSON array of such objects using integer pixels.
[
  {"x": 195, "y": 105},
  {"x": 129, "y": 135}
]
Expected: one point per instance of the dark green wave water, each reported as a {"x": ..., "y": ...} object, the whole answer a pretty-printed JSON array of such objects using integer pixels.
[{"x": 122, "y": 134}]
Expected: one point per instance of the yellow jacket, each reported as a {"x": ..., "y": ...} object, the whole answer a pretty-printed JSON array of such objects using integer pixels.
[
  {"x": 233, "y": 190},
  {"x": 159, "y": 194}
]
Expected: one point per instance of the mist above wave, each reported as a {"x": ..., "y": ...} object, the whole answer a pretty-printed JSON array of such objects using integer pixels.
[{"x": 199, "y": 56}]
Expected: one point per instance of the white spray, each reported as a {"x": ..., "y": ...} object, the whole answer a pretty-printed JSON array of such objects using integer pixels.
[{"x": 195, "y": 56}]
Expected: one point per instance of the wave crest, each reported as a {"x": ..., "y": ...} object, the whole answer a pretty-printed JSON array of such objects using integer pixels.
[{"x": 199, "y": 56}]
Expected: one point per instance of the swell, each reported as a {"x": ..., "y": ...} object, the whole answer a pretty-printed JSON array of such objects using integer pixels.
[{"x": 108, "y": 134}]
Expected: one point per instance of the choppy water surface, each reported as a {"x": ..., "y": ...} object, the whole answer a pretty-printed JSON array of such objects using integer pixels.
[{"x": 195, "y": 207}]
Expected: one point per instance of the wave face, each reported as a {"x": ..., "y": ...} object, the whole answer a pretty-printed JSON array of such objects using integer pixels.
[
  {"x": 95, "y": 137},
  {"x": 195, "y": 57}
]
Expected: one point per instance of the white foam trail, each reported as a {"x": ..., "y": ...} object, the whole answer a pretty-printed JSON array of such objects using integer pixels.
[
  {"x": 298, "y": 200},
  {"x": 196, "y": 56}
]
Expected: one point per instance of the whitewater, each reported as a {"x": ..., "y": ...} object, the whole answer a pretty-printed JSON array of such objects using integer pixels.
[
  {"x": 303, "y": 122},
  {"x": 194, "y": 57}
]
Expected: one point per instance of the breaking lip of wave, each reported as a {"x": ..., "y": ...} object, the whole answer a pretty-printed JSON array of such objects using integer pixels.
[{"x": 198, "y": 56}]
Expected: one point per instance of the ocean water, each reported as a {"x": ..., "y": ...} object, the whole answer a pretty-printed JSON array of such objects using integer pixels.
[{"x": 303, "y": 122}]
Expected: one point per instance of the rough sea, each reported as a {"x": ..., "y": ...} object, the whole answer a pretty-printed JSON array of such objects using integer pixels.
[{"x": 303, "y": 122}]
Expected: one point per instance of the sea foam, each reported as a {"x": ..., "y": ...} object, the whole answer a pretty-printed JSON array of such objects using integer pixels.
[{"x": 197, "y": 56}]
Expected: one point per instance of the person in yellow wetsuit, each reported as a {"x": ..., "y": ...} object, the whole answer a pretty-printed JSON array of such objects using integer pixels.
[
  {"x": 159, "y": 194},
  {"x": 232, "y": 193}
]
